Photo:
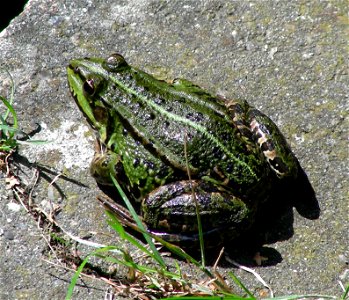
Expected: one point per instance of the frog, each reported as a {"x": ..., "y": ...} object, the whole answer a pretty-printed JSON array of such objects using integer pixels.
[{"x": 179, "y": 151}]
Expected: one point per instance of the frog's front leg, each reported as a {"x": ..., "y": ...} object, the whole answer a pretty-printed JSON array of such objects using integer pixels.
[
  {"x": 105, "y": 164},
  {"x": 170, "y": 211}
]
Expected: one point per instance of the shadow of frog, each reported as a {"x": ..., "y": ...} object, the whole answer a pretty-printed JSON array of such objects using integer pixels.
[{"x": 274, "y": 221}]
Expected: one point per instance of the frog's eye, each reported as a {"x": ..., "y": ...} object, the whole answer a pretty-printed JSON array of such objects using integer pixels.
[
  {"x": 89, "y": 87},
  {"x": 114, "y": 63},
  {"x": 92, "y": 85}
]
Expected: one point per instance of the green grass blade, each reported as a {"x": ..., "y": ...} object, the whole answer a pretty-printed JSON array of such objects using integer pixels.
[
  {"x": 116, "y": 225},
  {"x": 240, "y": 284},
  {"x": 75, "y": 279},
  {"x": 34, "y": 142},
  {"x": 129, "y": 262},
  {"x": 11, "y": 110},
  {"x": 295, "y": 297},
  {"x": 12, "y": 129},
  {"x": 208, "y": 298},
  {"x": 8, "y": 145},
  {"x": 3, "y": 118},
  {"x": 345, "y": 293},
  {"x": 81, "y": 267},
  {"x": 197, "y": 210},
  {"x": 201, "y": 235},
  {"x": 156, "y": 253},
  {"x": 8, "y": 128}
]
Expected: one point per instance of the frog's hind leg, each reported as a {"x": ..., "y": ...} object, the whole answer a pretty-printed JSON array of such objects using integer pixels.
[
  {"x": 283, "y": 162},
  {"x": 272, "y": 143}
]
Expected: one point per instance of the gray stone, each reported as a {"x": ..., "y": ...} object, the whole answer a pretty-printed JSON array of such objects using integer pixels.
[{"x": 288, "y": 58}]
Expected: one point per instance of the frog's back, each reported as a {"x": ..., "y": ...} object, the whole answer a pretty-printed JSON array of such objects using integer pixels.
[{"x": 165, "y": 117}]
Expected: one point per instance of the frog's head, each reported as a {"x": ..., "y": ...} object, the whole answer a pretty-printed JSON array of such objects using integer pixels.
[{"x": 88, "y": 80}]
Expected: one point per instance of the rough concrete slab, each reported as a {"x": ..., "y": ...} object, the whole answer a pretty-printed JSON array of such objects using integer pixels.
[{"x": 288, "y": 58}]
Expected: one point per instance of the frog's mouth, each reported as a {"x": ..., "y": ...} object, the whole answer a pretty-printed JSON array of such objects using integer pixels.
[
  {"x": 94, "y": 110},
  {"x": 100, "y": 148}
]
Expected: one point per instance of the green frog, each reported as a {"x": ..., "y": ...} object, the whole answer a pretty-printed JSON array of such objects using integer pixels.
[{"x": 166, "y": 143}]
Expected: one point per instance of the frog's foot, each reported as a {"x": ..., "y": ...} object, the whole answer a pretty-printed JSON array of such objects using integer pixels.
[
  {"x": 212, "y": 239},
  {"x": 120, "y": 212},
  {"x": 105, "y": 164},
  {"x": 254, "y": 125},
  {"x": 259, "y": 259},
  {"x": 116, "y": 209},
  {"x": 273, "y": 144}
]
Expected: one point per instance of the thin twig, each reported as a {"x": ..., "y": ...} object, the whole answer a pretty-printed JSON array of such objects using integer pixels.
[
  {"x": 33, "y": 182},
  {"x": 20, "y": 200},
  {"x": 259, "y": 278}
]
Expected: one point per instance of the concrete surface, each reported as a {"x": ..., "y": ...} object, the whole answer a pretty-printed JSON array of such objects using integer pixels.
[{"x": 288, "y": 58}]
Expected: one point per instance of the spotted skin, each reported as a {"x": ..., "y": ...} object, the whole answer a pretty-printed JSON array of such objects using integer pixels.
[{"x": 254, "y": 124}]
